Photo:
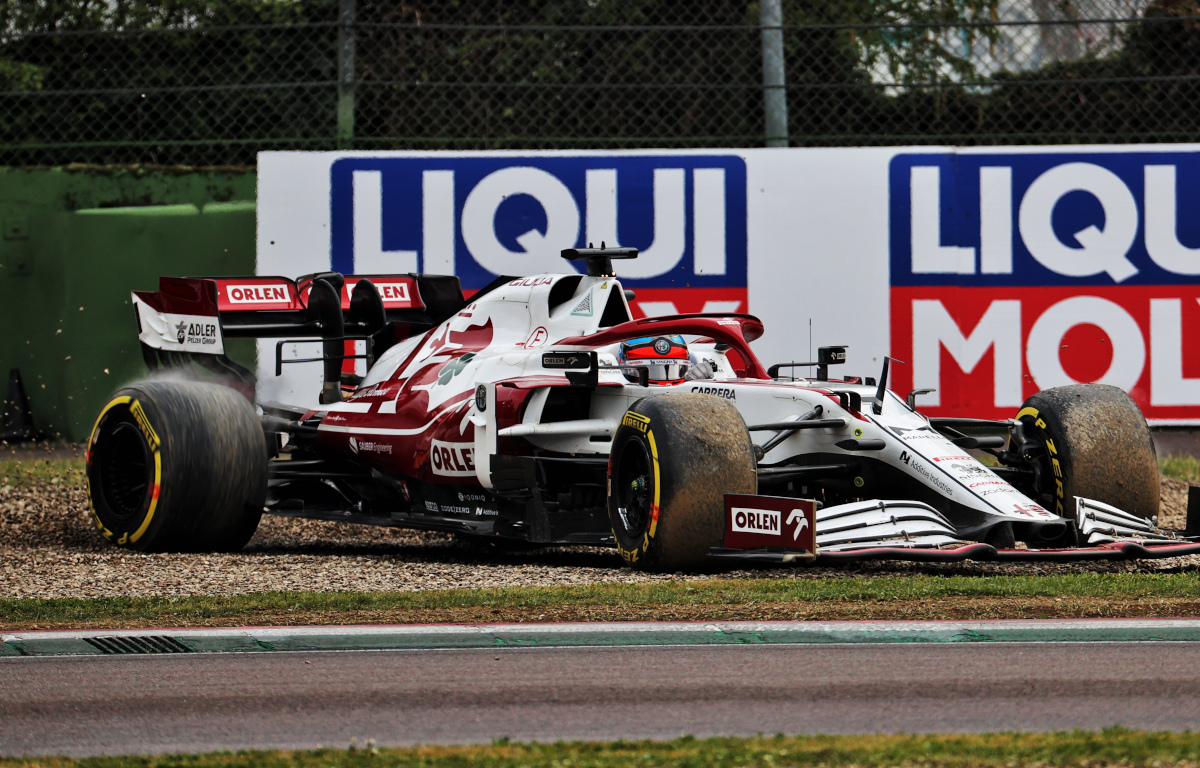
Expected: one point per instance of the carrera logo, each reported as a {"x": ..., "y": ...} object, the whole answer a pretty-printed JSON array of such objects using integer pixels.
[
  {"x": 953, "y": 458},
  {"x": 257, "y": 294},
  {"x": 724, "y": 392},
  {"x": 452, "y": 459},
  {"x": 748, "y": 520}
]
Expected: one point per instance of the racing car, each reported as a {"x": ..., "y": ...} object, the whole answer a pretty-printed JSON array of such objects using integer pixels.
[{"x": 539, "y": 411}]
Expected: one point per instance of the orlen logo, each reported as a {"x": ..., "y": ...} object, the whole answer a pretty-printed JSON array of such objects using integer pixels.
[
  {"x": 392, "y": 291},
  {"x": 452, "y": 459},
  {"x": 257, "y": 294},
  {"x": 482, "y": 216},
  {"x": 765, "y": 521},
  {"x": 1013, "y": 273}
]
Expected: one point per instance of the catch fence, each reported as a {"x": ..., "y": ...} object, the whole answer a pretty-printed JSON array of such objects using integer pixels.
[{"x": 602, "y": 75}]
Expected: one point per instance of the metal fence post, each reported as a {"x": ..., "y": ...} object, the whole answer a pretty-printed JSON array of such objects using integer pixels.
[
  {"x": 774, "y": 81},
  {"x": 346, "y": 79}
]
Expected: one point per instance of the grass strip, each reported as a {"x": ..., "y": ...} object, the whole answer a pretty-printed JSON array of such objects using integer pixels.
[
  {"x": 30, "y": 473},
  {"x": 1180, "y": 467},
  {"x": 1112, "y": 746},
  {"x": 682, "y": 600}
]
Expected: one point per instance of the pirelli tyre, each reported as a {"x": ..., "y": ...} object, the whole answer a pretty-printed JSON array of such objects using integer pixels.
[
  {"x": 177, "y": 466},
  {"x": 1091, "y": 440},
  {"x": 674, "y": 457}
]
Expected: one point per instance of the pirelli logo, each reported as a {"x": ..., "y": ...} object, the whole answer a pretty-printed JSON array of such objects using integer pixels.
[
  {"x": 636, "y": 420},
  {"x": 140, "y": 415}
]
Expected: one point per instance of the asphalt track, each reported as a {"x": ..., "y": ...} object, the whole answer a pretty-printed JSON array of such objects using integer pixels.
[{"x": 109, "y": 704}]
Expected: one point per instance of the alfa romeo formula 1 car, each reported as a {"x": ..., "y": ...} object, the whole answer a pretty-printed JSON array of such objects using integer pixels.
[{"x": 539, "y": 411}]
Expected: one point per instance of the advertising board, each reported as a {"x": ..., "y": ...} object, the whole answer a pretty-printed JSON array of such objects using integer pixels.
[
  {"x": 1013, "y": 272},
  {"x": 991, "y": 273}
]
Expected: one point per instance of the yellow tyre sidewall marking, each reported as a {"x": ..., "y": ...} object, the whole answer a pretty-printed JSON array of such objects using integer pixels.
[
  {"x": 657, "y": 488},
  {"x": 642, "y": 424},
  {"x": 1051, "y": 452},
  {"x": 152, "y": 439}
]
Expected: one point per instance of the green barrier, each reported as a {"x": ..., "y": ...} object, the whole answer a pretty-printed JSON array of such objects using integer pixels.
[{"x": 74, "y": 242}]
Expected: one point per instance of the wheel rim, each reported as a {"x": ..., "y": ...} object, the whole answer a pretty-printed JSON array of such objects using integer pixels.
[
  {"x": 123, "y": 475},
  {"x": 1043, "y": 481},
  {"x": 634, "y": 479}
]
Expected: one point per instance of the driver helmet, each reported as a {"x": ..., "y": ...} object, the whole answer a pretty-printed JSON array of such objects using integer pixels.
[{"x": 666, "y": 357}]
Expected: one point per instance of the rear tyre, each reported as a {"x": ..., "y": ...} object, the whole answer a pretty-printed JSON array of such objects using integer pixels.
[
  {"x": 177, "y": 466},
  {"x": 1094, "y": 443},
  {"x": 673, "y": 459}
]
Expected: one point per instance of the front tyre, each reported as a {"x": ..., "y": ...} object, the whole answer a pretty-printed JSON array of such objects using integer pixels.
[
  {"x": 673, "y": 459},
  {"x": 177, "y": 466},
  {"x": 1091, "y": 440}
]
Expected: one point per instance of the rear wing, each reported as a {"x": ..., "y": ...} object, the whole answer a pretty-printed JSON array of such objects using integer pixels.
[{"x": 184, "y": 324}]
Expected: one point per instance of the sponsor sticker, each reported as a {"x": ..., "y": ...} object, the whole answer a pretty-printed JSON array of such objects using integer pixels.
[
  {"x": 969, "y": 470},
  {"x": 1030, "y": 510},
  {"x": 751, "y": 520},
  {"x": 369, "y": 446},
  {"x": 569, "y": 360},
  {"x": 178, "y": 333},
  {"x": 452, "y": 459},
  {"x": 538, "y": 338},
  {"x": 990, "y": 491},
  {"x": 929, "y": 475},
  {"x": 257, "y": 294},
  {"x": 755, "y": 522},
  {"x": 725, "y": 392},
  {"x": 392, "y": 291}
]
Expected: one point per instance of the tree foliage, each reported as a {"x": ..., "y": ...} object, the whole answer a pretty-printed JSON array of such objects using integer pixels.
[{"x": 214, "y": 81}]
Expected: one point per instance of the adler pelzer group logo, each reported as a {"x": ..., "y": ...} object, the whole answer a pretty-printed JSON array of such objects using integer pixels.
[{"x": 1015, "y": 272}]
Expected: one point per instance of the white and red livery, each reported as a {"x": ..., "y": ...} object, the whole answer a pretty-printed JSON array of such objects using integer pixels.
[{"x": 510, "y": 416}]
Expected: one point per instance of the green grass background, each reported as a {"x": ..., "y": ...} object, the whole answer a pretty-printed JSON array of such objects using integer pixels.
[{"x": 1111, "y": 747}]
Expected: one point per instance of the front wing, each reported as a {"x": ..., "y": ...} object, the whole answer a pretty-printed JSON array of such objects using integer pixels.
[{"x": 781, "y": 529}]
